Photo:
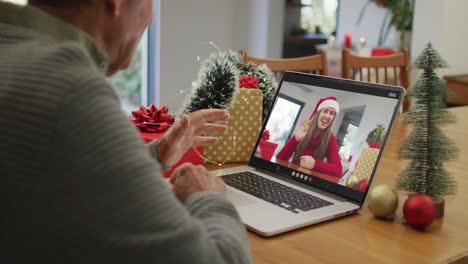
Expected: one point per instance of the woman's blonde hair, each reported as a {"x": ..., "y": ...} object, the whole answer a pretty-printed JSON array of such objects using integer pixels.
[{"x": 324, "y": 135}]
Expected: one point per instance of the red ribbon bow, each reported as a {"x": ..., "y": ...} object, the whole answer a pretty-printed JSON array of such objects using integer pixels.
[
  {"x": 152, "y": 119},
  {"x": 266, "y": 134},
  {"x": 374, "y": 145},
  {"x": 248, "y": 81}
]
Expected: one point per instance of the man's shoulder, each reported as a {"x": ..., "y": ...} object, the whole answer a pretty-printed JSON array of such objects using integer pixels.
[
  {"x": 39, "y": 64},
  {"x": 67, "y": 59},
  {"x": 65, "y": 66},
  {"x": 23, "y": 50}
]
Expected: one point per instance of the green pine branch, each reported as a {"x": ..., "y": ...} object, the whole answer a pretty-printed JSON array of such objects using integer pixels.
[
  {"x": 216, "y": 86},
  {"x": 218, "y": 82}
]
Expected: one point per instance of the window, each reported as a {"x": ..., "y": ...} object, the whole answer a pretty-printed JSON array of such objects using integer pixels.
[
  {"x": 348, "y": 141},
  {"x": 283, "y": 119},
  {"x": 129, "y": 83},
  {"x": 347, "y": 134},
  {"x": 319, "y": 15},
  {"x": 135, "y": 85}
]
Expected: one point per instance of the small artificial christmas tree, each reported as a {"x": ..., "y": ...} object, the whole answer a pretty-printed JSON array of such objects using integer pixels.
[
  {"x": 218, "y": 82},
  {"x": 426, "y": 146},
  {"x": 376, "y": 135}
]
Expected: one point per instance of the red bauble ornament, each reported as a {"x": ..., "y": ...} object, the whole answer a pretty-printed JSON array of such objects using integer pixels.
[
  {"x": 362, "y": 185},
  {"x": 419, "y": 210}
]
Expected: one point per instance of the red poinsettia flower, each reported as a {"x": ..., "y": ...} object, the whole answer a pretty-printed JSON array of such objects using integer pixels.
[
  {"x": 266, "y": 134},
  {"x": 374, "y": 145},
  {"x": 152, "y": 119},
  {"x": 248, "y": 81}
]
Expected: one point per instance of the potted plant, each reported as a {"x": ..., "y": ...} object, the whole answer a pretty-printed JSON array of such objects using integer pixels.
[
  {"x": 377, "y": 135},
  {"x": 399, "y": 14}
]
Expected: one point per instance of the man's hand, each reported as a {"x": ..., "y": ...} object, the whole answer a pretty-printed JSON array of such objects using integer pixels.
[
  {"x": 307, "y": 162},
  {"x": 189, "y": 179},
  {"x": 188, "y": 131}
]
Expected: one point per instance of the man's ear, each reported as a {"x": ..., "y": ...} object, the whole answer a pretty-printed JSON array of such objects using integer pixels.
[{"x": 114, "y": 7}]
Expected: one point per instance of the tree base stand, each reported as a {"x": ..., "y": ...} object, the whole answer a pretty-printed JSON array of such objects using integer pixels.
[{"x": 440, "y": 208}]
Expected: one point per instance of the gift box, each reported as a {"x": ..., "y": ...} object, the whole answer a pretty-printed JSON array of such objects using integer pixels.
[
  {"x": 267, "y": 149},
  {"x": 238, "y": 142},
  {"x": 190, "y": 156},
  {"x": 152, "y": 122},
  {"x": 366, "y": 163}
]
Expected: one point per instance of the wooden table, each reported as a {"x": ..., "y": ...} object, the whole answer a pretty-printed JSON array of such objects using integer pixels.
[{"x": 361, "y": 238}]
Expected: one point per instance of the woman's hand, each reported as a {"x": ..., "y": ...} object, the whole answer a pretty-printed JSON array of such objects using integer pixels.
[
  {"x": 187, "y": 133},
  {"x": 307, "y": 162},
  {"x": 302, "y": 130}
]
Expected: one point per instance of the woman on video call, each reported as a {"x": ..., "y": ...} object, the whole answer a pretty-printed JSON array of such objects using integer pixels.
[{"x": 313, "y": 141}]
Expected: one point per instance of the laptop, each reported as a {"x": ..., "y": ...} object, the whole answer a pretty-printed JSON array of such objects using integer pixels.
[{"x": 279, "y": 190}]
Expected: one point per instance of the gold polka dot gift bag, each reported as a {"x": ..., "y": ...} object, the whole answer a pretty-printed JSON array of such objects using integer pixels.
[
  {"x": 366, "y": 163},
  {"x": 238, "y": 142}
]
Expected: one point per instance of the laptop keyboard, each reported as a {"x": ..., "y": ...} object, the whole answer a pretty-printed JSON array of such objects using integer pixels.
[{"x": 274, "y": 192}]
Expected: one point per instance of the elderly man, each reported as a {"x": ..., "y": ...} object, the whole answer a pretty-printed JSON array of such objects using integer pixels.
[{"x": 78, "y": 186}]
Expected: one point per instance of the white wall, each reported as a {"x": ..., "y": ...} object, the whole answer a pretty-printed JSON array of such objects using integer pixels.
[
  {"x": 186, "y": 27},
  {"x": 259, "y": 27},
  {"x": 442, "y": 23},
  {"x": 369, "y": 28},
  {"x": 275, "y": 28}
]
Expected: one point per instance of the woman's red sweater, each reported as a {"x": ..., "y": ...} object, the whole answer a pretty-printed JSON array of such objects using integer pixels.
[{"x": 331, "y": 167}]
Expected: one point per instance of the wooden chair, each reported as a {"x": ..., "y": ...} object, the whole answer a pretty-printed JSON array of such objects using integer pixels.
[
  {"x": 310, "y": 64},
  {"x": 392, "y": 69}
]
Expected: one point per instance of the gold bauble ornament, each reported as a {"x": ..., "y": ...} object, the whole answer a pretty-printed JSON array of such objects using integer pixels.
[
  {"x": 352, "y": 182},
  {"x": 382, "y": 201}
]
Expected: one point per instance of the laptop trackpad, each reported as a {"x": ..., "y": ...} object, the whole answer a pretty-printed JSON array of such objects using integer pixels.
[{"x": 239, "y": 199}]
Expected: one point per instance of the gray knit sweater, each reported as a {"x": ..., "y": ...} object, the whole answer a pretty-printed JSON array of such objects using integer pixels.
[{"x": 77, "y": 183}]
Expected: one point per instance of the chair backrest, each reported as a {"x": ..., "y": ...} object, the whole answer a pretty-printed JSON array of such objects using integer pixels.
[
  {"x": 392, "y": 69},
  {"x": 311, "y": 64}
]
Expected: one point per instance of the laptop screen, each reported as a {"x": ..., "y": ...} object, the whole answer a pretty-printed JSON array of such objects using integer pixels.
[{"x": 327, "y": 132}]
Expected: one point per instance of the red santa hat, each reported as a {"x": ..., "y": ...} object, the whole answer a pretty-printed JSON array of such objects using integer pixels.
[{"x": 324, "y": 103}]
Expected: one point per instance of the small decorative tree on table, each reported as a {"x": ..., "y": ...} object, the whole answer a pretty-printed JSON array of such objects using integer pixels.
[
  {"x": 376, "y": 135},
  {"x": 218, "y": 82},
  {"x": 427, "y": 147}
]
